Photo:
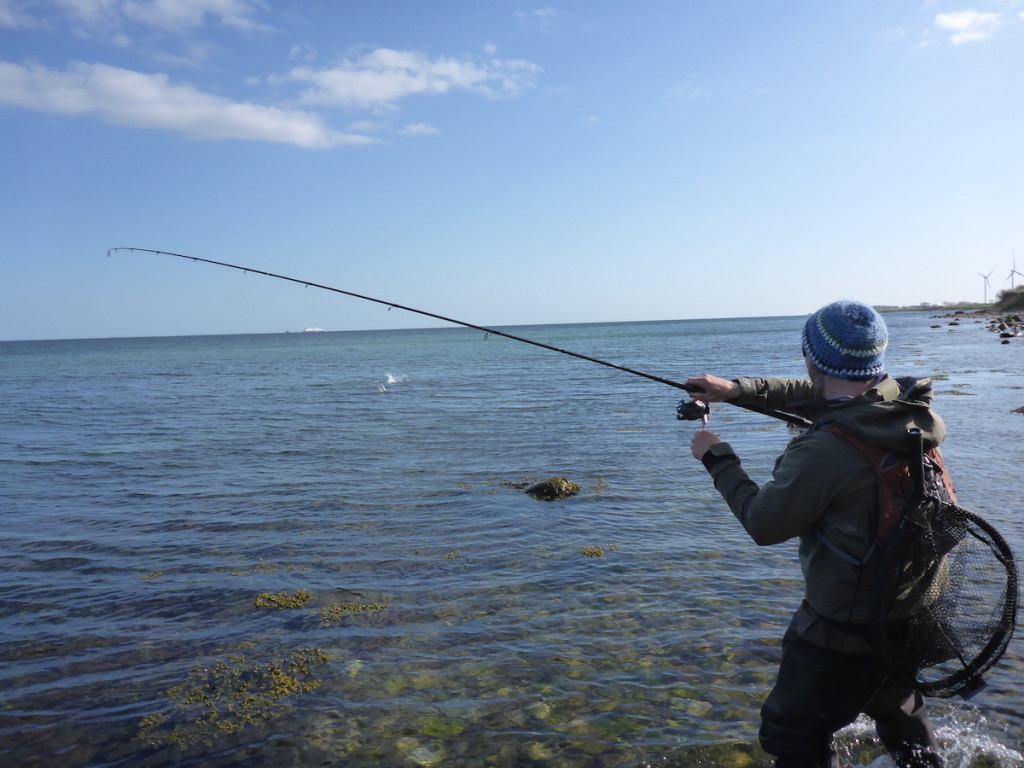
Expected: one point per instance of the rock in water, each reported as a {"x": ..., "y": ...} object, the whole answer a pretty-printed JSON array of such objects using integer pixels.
[{"x": 554, "y": 489}]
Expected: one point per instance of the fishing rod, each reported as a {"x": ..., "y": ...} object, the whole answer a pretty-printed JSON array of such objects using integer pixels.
[{"x": 683, "y": 413}]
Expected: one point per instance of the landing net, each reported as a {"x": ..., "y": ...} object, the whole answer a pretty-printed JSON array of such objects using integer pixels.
[{"x": 948, "y": 608}]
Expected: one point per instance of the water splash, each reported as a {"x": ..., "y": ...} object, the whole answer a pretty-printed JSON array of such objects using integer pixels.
[
  {"x": 390, "y": 378},
  {"x": 965, "y": 737},
  {"x": 968, "y": 743}
]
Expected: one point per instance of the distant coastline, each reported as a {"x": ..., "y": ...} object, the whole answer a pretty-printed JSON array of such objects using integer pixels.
[
  {"x": 964, "y": 306},
  {"x": 1006, "y": 301}
]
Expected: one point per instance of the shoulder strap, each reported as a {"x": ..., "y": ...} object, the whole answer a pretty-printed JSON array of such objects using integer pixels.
[{"x": 892, "y": 473}]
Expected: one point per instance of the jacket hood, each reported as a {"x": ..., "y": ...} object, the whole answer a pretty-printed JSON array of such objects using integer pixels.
[{"x": 882, "y": 415}]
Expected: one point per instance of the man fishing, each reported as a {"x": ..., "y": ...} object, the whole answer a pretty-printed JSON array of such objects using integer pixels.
[{"x": 824, "y": 491}]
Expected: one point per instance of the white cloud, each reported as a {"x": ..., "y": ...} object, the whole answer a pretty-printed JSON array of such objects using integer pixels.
[
  {"x": 691, "y": 89},
  {"x": 968, "y": 26},
  {"x": 542, "y": 18},
  {"x": 418, "y": 129},
  {"x": 302, "y": 52},
  {"x": 382, "y": 77},
  {"x": 87, "y": 9},
  {"x": 91, "y": 17},
  {"x": 189, "y": 14},
  {"x": 100, "y": 17},
  {"x": 12, "y": 16},
  {"x": 141, "y": 100},
  {"x": 365, "y": 126},
  {"x": 195, "y": 54}
]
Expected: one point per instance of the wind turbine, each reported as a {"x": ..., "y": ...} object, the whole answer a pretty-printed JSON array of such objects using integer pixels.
[
  {"x": 1014, "y": 271},
  {"x": 987, "y": 286}
]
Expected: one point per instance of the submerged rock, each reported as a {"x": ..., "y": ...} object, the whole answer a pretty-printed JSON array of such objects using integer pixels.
[
  {"x": 554, "y": 489},
  {"x": 426, "y": 756}
]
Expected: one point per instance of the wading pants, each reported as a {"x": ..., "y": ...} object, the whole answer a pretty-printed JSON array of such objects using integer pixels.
[{"x": 820, "y": 691}]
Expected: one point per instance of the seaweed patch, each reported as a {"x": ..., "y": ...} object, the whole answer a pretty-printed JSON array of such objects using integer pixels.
[
  {"x": 230, "y": 695},
  {"x": 595, "y": 550},
  {"x": 337, "y": 610},
  {"x": 283, "y": 600}
]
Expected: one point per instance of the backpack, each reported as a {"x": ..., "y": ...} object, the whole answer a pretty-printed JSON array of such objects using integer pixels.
[
  {"x": 896, "y": 474},
  {"x": 908, "y": 568}
]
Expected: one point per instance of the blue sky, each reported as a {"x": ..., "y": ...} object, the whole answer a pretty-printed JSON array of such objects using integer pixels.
[{"x": 501, "y": 162}]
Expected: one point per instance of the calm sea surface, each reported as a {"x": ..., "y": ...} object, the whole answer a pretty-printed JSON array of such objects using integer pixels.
[{"x": 315, "y": 549}]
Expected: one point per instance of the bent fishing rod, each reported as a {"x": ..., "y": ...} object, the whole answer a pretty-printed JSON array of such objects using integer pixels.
[{"x": 683, "y": 413}]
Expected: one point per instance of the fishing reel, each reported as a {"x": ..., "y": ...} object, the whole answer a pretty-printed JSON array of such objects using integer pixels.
[{"x": 692, "y": 410}]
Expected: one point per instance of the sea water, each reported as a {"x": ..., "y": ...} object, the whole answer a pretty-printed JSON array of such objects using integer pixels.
[{"x": 316, "y": 549}]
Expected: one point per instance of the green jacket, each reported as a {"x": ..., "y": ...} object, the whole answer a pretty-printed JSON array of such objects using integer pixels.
[{"x": 824, "y": 492}]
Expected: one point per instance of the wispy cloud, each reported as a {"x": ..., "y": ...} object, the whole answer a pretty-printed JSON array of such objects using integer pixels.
[
  {"x": 169, "y": 15},
  {"x": 142, "y": 100},
  {"x": 302, "y": 52},
  {"x": 541, "y": 18},
  {"x": 380, "y": 78},
  {"x": 189, "y": 14},
  {"x": 14, "y": 16},
  {"x": 418, "y": 129},
  {"x": 372, "y": 81},
  {"x": 691, "y": 88},
  {"x": 969, "y": 26}
]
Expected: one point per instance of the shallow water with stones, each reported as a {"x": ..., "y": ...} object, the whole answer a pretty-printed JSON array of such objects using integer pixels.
[{"x": 315, "y": 549}]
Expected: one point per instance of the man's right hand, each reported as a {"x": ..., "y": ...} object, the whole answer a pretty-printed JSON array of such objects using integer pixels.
[{"x": 713, "y": 389}]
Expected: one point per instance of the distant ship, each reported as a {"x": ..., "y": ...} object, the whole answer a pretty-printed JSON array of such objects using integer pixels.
[{"x": 312, "y": 330}]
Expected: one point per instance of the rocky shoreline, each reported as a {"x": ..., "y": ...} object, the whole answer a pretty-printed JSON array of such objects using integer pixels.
[{"x": 1007, "y": 325}]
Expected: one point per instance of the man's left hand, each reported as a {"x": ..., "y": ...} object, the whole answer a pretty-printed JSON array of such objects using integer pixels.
[{"x": 701, "y": 441}]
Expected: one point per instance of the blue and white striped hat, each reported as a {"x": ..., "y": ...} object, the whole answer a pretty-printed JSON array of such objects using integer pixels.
[{"x": 847, "y": 340}]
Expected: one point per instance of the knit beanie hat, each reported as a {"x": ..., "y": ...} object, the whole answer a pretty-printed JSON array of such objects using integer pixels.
[{"x": 847, "y": 340}]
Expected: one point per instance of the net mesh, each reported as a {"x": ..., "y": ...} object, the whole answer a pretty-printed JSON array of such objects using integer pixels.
[{"x": 947, "y": 600}]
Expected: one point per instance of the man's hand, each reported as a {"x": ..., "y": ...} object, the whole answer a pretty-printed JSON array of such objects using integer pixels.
[
  {"x": 713, "y": 389},
  {"x": 701, "y": 441}
]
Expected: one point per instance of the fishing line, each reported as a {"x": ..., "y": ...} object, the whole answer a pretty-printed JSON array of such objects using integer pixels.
[
  {"x": 980, "y": 565},
  {"x": 781, "y": 415}
]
